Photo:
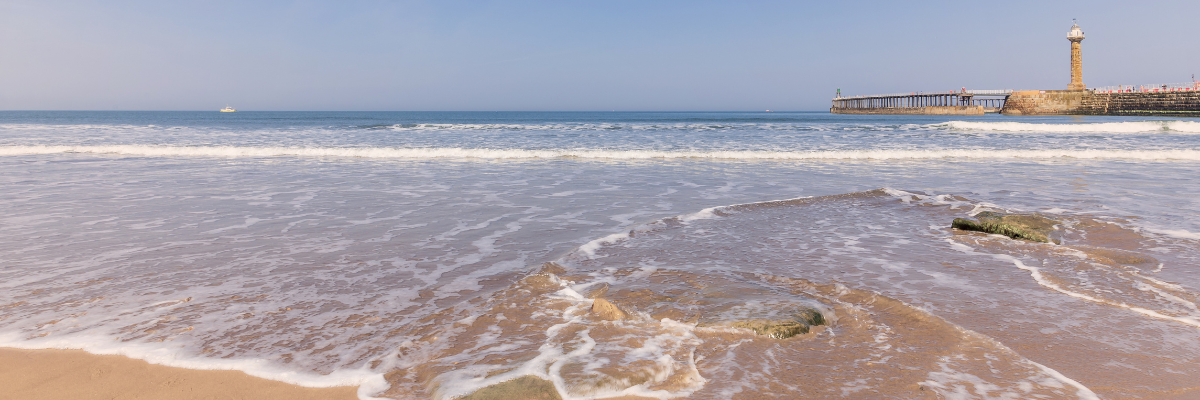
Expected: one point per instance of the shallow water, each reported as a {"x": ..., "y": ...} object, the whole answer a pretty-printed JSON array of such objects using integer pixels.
[{"x": 408, "y": 252}]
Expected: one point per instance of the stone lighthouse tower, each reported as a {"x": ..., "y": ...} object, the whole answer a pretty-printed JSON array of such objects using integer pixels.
[{"x": 1076, "y": 36}]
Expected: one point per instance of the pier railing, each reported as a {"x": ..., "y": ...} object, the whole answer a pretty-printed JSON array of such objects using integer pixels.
[
  {"x": 1156, "y": 87},
  {"x": 987, "y": 98},
  {"x": 1004, "y": 92}
]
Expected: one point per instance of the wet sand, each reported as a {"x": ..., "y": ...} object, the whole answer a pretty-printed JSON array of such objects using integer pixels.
[{"x": 75, "y": 374}]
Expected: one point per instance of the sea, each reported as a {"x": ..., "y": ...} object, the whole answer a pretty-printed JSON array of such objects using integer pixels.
[{"x": 432, "y": 255}]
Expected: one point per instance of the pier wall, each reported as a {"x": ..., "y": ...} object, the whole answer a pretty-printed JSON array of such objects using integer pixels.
[
  {"x": 1044, "y": 102},
  {"x": 1079, "y": 102},
  {"x": 1183, "y": 103},
  {"x": 932, "y": 110}
]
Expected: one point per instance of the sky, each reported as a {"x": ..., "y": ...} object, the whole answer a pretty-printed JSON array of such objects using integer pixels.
[{"x": 566, "y": 55}]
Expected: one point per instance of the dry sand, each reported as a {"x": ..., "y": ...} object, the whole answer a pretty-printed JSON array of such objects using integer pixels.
[{"x": 75, "y": 374}]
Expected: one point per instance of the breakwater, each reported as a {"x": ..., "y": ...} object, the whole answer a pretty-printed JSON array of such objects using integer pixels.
[
  {"x": 1067, "y": 102},
  {"x": 1182, "y": 103}
]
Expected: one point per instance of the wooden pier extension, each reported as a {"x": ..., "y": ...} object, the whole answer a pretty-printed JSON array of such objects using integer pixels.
[{"x": 969, "y": 102}]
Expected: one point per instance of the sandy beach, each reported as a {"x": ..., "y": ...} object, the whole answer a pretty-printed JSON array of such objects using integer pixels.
[{"x": 75, "y": 374}]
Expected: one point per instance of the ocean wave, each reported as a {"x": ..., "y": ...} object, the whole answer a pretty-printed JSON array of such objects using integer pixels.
[
  {"x": 468, "y": 153},
  {"x": 1162, "y": 126},
  {"x": 640, "y": 127},
  {"x": 714, "y": 126},
  {"x": 1186, "y": 127}
]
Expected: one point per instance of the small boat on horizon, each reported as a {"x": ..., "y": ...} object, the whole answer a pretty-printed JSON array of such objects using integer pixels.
[{"x": 228, "y": 109}]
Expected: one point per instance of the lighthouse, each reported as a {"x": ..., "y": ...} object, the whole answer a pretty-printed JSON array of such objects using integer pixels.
[{"x": 1076, "y": 36}]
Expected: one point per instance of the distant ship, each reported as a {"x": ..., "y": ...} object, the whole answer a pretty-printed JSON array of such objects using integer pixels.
[{"x": 228, "y": 109}]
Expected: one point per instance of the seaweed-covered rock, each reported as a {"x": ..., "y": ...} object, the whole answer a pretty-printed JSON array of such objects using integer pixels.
[
  {"x": 1017, "y": 226},
  {"x": 783, "y": 329}
]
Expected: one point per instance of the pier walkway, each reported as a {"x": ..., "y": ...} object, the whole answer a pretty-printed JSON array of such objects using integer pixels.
[{"x": 966, "y": 102}]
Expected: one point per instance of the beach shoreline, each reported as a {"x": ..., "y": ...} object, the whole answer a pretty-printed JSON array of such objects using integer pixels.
[{"x": 76, "y": 374}]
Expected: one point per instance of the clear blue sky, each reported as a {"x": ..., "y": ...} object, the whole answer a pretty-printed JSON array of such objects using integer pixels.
[{"x": 566, "y": 54}]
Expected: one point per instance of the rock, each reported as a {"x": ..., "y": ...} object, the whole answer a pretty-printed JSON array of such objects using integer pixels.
[
  {"x": 1024, "y": 227},
  {"x": 773, "y": 329},
  {"x": 525, "y": 387},
  {"x": 783, "y": 329},
  {"x": 553, "y": 268},
  {"x": 607, "y": 310},
  {"x": 812, "y": 317}
]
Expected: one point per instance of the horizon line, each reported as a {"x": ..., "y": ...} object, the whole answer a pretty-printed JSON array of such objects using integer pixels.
[{"x": 413, "y": 111}]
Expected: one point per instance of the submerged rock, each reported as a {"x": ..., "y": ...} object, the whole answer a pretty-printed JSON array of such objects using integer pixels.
[
  {"x": 1024, "y": 227},
  {"x": 783, "y": 329},
  {"x": 525, "y": 387}
]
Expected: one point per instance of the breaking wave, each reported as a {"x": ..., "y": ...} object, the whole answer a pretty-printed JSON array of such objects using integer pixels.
[
  {"x": 467, "y": 153},
  {"x": 713, "y": 126},
  {"x": 778, "y": 127}
]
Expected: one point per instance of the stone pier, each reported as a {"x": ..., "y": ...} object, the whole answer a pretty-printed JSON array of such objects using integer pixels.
[
  {"x": 1170, "y": 100},
  {"x": 1183, "y": 103}
]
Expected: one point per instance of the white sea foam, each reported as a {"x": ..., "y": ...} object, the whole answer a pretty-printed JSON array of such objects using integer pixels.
[
  {"x": 1082, "y": 391},
  {"x": 590, "y": 248},
  {"x": 665, "y": 339},
  {"x": 463, "y": 153},
  {"x": 86, "y": 127},
  {"x": 1160, "y": 126},
  {"x": 712, "y": 126},
  {"x": 707, "y": 213},
  {"x": 715, "y": 126},
  {"x": 1176, "y": 233},
  {"x": 601, "y": 127},
  {"x": 1184, "y": 127}
]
